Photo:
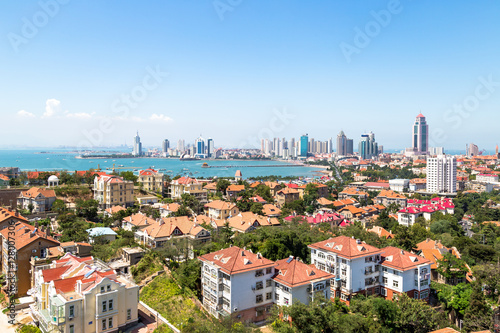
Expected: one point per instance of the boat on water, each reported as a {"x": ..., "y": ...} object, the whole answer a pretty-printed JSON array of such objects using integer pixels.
[
  {"x": 205, "y": 165},
  {"x": 163, "y": 169},
  {"x": 121, "y": 165},
  {"x": 185, "y": 169}
]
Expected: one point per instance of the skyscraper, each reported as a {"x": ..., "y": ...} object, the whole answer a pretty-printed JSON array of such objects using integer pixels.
[
  {"x": 165, "y": 146},
  {"x": 181, "y": 147},
  {"x": 420, "y": 136},
  {"x": 341, "y": 144},
  {"x": 350, "y": 147},
  {"x": 304, "y": 141},
  {"x": 472, "y": 150},
  {"x": 200, "y": 147},
  {"x": 442, "y": 174},
  {"x": 210, "y": 147},
  {"x": 368, "y": 148},
  {"x": 137, "y": 150}
]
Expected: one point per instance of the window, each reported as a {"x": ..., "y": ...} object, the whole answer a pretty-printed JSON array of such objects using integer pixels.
[
  {"x": 344, "y": 297},
  {"x": 415, "y": 295},
  {"x": 330, "y": 258},
  {"x": 110, "y": 323},
  {"x": 71, "y": 328},
  {"x": 104, "y": 306},
  {"x": 384, "y": 269},
  {"x": 416, "y": 271},
  {"x": 103, "y": 327},
  {"x": 129, "y": 314},
  {"x": 383, "y": 292},
  {"x": 424, "y": 294},
  {"x": 269, "y": 270},
  {"x": 269, "y": 296},
  {"x": 385, "y": 280},
  {"x": 321, "y": 255},
  {"x": 276, "y": 296},
  {"x": 343, "y": 272},
  {"x": 71, "y": 310},
  {"x": 259, "y": 285},
  {"x": 108, "y": 287},
  {"x": 258, "y": 298},
  {"x": 377, "y": 268},
  {"x": 269, "y": 283},
  {"x": 395, "y": 283},
  {"x": 344, "y": 261},
  {"x": 377, "y": 290},
  {"x": 259, "y": 273},
  {"x": 285, "y": 301},
  {"x": 102, "y": 289},
  {"x": 110, "y": 305}
]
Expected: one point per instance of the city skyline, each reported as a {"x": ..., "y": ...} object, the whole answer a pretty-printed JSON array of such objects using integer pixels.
[{"x": 95, "y": 72}]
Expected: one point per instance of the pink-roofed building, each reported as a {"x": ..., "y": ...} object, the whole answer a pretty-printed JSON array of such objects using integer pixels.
[
  {"x": 83, "y": 295},
  {"x": 487, "y": 178}
]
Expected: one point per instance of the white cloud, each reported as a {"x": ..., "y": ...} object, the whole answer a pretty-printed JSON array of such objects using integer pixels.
[
  {"x": 52, "y": 106},
  {"x": 25, "y": 114},
  {"x": 160, "y": 117},
  {"x": 81, "y": 115}
]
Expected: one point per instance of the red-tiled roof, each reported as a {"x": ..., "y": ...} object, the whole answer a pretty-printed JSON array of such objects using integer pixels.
[
  {"x": 400, "y": 259},
  {"x": 234, "y": 260},
  {"x": 346, "y": 247},
  {"x": 293, "y": 273}
]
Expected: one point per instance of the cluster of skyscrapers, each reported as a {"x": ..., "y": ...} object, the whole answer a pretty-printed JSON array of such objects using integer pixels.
[
  {"x": 201, "y": 149},
  {"x": 293, "y": 149}
]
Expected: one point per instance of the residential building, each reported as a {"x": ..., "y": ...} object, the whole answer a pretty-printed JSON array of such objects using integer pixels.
[
  {"x": 105, "y": 234},
  {"x": 237, "y": 282},
  {"x": 296, "y": 281},
  {"x": 8, "y": 217},
  {"x": 108, "y": 212},
  {"x": 30, "y": 241},
  {"x": 200, "y": 147},
  {"x": 487, "y": 178},
  {"x": 210, "y": 148},
  {"x": 10, "y": 172},
  {"x": 169, "y": 209},
  {"x": 233, "y": 191},
  {"x": 219, "y": 209},
  {"x": 435, "y": 151},
  {"x": 129, "y": 257},
  {"x": 158, "y": 233},
  {"x": 271, "y": 210},
  {"x": 286, "y": 195},
  {"x": 147, "y": 200},
  {"x": 387, "y": 197},
  {"x": 190, "y": 186},
  {"x": 137, "y": 149},
  {"x": 399, "y": 185},
  {"x": 360, "y": 268},
  {"x": 420, "y": 142},
  {"x": 273, "y": 186},
  {"x": 408, "y": 216},
  {"x": 381, "y": 232},
  {"x": 442, "y": 174},
  {"x": 75, "y": 294},
  {"x": 136, "y": 221},
  {"x": 40, "y": 199},
  {"x": 151, "y": 180},
  {"x": 341, "y": 144},
  {"x": 238, "y": 176},
  {"x": 418, "y": 184},
  {"x": 113, "y": 190},
  {"x": 471, "y": 150},
  {"x": 4, "y": 181},
  {"x": 433, "y": 250},
  {"x": 248, "y": 221},
  {"x": 352, "y": 212},
  {"x": 353, "y": 192}
]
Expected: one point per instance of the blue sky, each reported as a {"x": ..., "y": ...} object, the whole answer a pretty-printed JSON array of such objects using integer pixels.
[{"x": 234, "y": 65}]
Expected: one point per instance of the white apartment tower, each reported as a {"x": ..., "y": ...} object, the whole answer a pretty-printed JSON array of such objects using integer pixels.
[
  {"x": 442, "y": 174},
  {"x": 137, "y": 151}
]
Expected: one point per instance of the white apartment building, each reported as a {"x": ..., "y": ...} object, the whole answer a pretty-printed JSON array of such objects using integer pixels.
[
  {"x": 408, "y": 216},
  {"x": 487, "y": 178},
  {"x": 360, "y": 268},
  {"x": 110, "y": 191},
  {"x": 237, "y": 282},
  {"x": 442, "y": 174},
  {"x": 296, "y": 281},
  {"x": 82, "y": 295}
]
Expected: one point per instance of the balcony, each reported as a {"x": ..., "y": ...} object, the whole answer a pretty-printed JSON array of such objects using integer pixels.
[{"x": 368, "y": 272}]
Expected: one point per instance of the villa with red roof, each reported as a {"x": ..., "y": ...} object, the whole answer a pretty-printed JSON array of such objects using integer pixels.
[
  {"x": 151, "y": 180},
  {"x": 237, "y": 282},
  {"x": 110, "y": 191},
  {"x": 360, "y": 268},
  {"x": 78, "y": 294},
  {"x": 190, "y": 186},
  {"x": 296, "y": 281},
  {"x": 40, "y": 198}
]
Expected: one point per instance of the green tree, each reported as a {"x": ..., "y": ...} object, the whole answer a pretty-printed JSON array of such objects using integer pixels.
[
  {"x": 222, "y": 185},
  {"x": 256, "y": 208}
]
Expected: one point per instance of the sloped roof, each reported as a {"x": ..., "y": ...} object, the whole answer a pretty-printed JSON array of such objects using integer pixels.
[
  {"x": 294, "y": 273},
  {"x": 346, "y": 247},
  {"x": 402, "y": 260},
  {"x": 220, "y": 205},
  {"x": 234, "y": 260},
  {"x": 36, "y": 191}
]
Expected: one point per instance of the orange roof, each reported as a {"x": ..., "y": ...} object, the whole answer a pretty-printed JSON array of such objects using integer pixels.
[
  {"x": 235, "y": 188},
  {"x": 171, "y": 207},
  {"x": 271, "y": 185},
  {"x": 6, "y": 214},
  {"x": 269, "y": 209},
  {"x": 211, "y": 186},
  {"x": 497, "y": 223},
  {"x": 26, "y": 234},
  {"x": 166, "y": 227},
  {"x": 244, "y": 221},
  {"x": 346, "y": 247},
  {"x": 381, "y": 232},
  {"x": 4, "y": 177},
  {"x": 345, "y": 202},
  {"x": 353, "y": 210},
  {"x": 185, "y": 181},
  {"x": 324, "y": 202},
  {"x": 448, "y": 330},
  {"x": 390, "y": 194},
  {"x": 115, "y": 209},
  {"x": 36, "y": 191},
  {"x": 139, "y": 220},
  {"x": 234, "y": 260},
  {"x": 418, "y": 181},
  {"x": 293, "y": 273},
  {"x": 287, "y": 190},
  {"x": 255, "y": 184},
  {"x": 400, "y": 259},
  {"x": 353, "y": 191},
  {"x": 220, "y": 205}
]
